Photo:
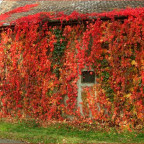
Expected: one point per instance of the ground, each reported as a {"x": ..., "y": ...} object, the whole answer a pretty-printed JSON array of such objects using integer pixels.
[
  {"x": 64, "y": 133},
  {"x": 9, "y": 141}
]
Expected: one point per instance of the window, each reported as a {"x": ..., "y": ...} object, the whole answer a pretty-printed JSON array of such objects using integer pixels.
[{"x": 88, "y": 77}]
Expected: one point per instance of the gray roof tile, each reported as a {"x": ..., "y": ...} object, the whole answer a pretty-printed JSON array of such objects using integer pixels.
[{"x": 68, "y": 6}]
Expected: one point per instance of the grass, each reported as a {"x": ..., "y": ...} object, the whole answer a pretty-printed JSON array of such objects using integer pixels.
[{"x": 64, "y": 133}]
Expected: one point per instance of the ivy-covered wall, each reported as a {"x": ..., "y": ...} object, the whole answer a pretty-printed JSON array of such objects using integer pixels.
[{"x": 40, "y": 67}]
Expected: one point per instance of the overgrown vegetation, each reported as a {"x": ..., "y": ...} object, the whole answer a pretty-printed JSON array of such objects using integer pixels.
[{"x": 40, "y": 68}]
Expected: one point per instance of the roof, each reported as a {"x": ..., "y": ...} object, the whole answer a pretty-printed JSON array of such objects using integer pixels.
[{"x": 68, "y": 6}]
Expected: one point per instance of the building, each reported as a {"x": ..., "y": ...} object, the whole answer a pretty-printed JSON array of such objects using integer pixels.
[{"x": 67, "y": 78}]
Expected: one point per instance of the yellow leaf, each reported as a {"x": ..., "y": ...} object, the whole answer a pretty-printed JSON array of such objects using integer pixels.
[
  {"x": 128, "y": 95},
  {"x": 134, "y": 62}
]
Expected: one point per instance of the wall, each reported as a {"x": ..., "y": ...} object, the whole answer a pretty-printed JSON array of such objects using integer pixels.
[{"x": 43, "y": 66}]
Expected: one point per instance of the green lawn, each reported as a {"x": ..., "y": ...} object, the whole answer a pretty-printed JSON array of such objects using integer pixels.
[{"x": 63, "y": 133}]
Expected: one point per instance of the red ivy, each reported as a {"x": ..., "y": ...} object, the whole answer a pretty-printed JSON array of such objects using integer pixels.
[{"x": 30, "y": 85}]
